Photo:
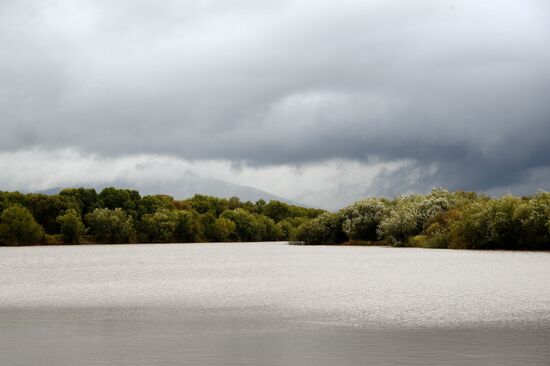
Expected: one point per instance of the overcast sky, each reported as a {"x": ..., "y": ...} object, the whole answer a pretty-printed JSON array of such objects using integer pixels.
[{"x": 320, "y": 102}]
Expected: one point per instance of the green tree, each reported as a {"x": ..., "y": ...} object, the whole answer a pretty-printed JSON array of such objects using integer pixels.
[
  {"x": 202, "y": 204},
  {"x": 159, "y": 227},
  {"x": 268, "y": 231},
  {"x": 9, "y": 198},
  {"x": 222, "y": 230},
  {"x": 490, "y": 224},
  {"x": 45, "y": 209},
  {"x": 154, "y": 203},
  {"x": 250, "y": 207},
  {"x": 233, "y": 203},
  {"x": 18, "y": 227},
  {"x": 311, "y": 213},
  {"x": 288, "y": 228},
  {"x": 71, "y": 226},
  {"x": 276, "y": 210},
  {"x": 86, "y": 199},
  {"x": 189, "y": 228},
  {"x": 324, "y": 229},
  {"x": 259, "y": 206},
  {"x": 111, "y": 226},
  {"x": 126, "y": 199},
  {"x": 247, "y": 228},
  {"x": 533, "y": 215}
]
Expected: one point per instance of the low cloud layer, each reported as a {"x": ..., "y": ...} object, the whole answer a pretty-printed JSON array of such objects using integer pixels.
[
  {"x": 331, "y": 184},
  {"x": 438, "y": 93}
]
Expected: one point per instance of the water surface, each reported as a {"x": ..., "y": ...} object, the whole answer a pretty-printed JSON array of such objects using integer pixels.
[{"x": 272, "y": 304}]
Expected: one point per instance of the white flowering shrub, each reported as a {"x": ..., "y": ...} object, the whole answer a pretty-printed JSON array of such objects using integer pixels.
[
  {"x": 361, "y": 219},
  {"x": 401, "y": 223},
  {"x": 437, "y": 201},
  {"x": 409, "y": 214},
  {"x": 438, "y": 220}
]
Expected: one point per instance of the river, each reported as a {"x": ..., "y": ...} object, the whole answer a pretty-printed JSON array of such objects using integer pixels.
[{"x": 272, "y": 304}]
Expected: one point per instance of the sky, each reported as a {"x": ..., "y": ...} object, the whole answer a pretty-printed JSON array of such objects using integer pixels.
[{"x": 319, "y": 102}]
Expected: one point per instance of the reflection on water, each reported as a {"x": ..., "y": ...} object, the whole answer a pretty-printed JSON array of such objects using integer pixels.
[{"x": 272, "y": 304}]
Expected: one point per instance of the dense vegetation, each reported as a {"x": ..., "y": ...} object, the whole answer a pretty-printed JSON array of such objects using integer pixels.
[
  {"x": 80, "y": 215},
  {"x": 440, "y": 219}
]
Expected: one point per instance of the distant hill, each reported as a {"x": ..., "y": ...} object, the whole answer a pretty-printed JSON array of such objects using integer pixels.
[{"x": 184, "y": 188}]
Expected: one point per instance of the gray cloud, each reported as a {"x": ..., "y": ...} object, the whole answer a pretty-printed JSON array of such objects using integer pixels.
[{"x": 461, "y": 88}]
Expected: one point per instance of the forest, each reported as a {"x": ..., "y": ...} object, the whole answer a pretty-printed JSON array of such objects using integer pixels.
[
  {"x": 439, "y": 219},
  {"x": 84, "y": 216}
]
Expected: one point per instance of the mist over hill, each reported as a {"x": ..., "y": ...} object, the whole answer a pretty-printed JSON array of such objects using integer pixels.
[{"x": 182, "y": 188}]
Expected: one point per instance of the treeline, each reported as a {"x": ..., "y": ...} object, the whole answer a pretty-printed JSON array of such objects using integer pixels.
[
  {"x": 440, "y": 219},
  {"x": 81, "y": 215}
]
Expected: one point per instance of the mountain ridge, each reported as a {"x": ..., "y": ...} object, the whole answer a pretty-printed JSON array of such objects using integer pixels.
[{"x": 183, "y": 188}]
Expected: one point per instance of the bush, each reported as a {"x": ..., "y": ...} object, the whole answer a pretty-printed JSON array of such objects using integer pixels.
[
  {"x": 419, "y": 241},
  {"x": 56, "y": 239}
]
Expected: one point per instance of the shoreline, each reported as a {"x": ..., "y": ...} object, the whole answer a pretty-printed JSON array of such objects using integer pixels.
[{"x": 290, "y": 243}]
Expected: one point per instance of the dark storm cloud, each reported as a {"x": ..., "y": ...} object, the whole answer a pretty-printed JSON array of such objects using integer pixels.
[{"x": 459, "y": 86}]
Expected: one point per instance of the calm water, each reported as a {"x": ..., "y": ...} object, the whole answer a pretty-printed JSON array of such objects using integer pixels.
[{"x": 272, "y": 304}]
